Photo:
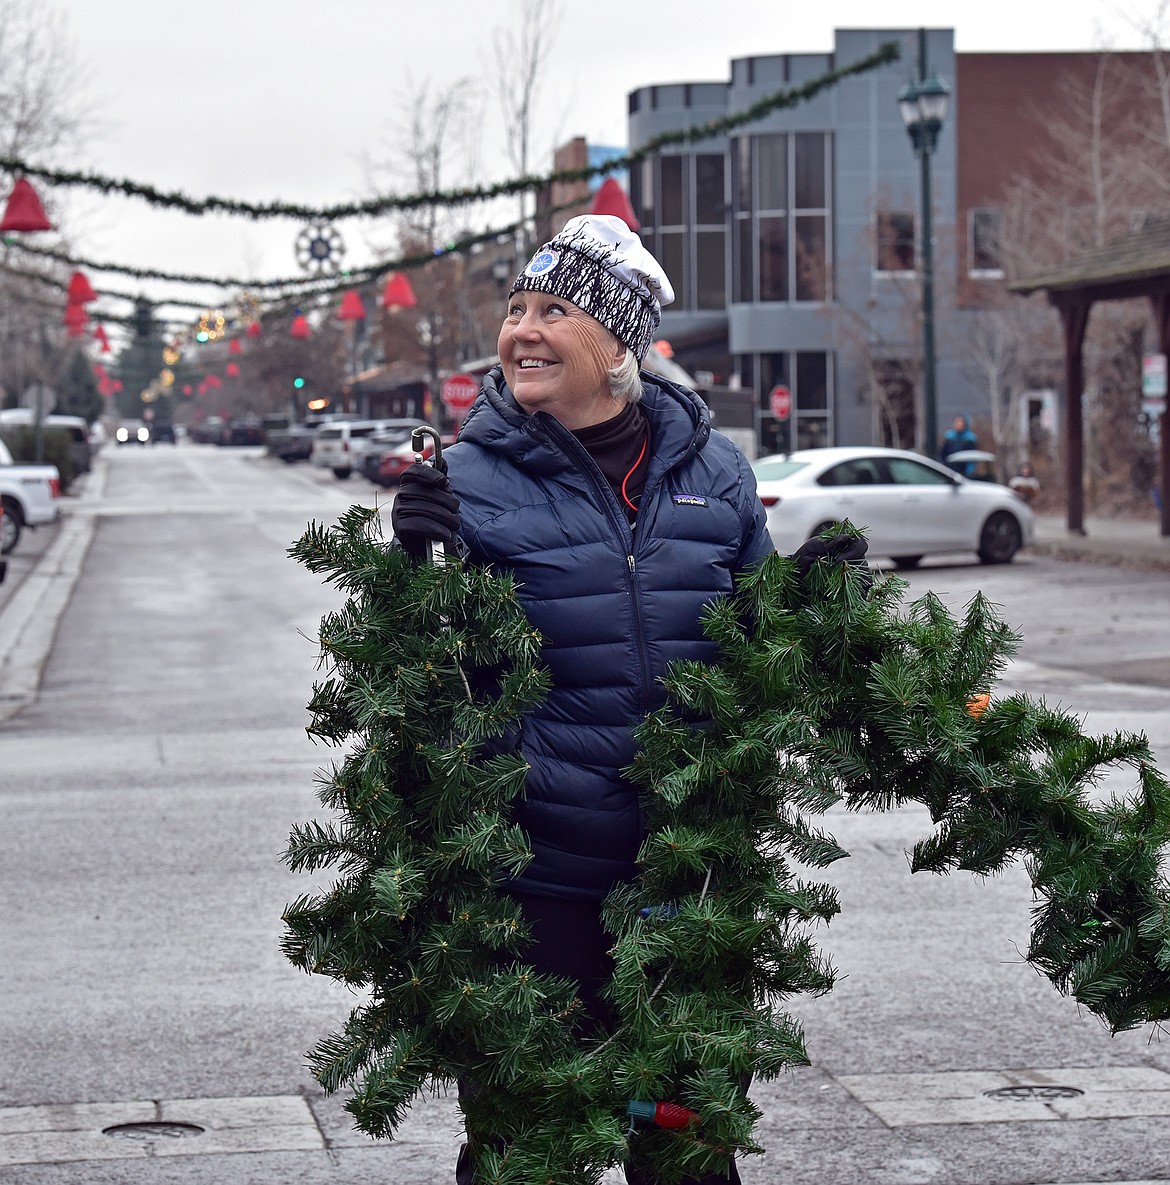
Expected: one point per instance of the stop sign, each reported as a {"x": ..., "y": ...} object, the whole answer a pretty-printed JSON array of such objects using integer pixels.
[
  {"x": 781, "y": 401},
  {"x": 458, "y": 392}
]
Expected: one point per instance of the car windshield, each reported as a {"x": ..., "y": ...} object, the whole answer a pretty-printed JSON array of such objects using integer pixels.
[{"x": 767, "y": 470}]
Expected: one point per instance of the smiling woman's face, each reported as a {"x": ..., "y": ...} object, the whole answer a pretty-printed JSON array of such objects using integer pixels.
[{"x": 556, "y": 358}]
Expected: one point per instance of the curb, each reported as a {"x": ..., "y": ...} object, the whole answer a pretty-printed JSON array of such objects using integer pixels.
[
  {"x": 28, "y": 626},
  {"x": 1134, "y": 559}
]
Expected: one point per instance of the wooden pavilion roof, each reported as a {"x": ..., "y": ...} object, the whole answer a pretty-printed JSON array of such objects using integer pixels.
[{"x": 1136, "y": 265}]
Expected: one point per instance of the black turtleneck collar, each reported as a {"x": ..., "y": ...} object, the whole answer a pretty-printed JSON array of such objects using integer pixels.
[{"x": 620, "y": 447}]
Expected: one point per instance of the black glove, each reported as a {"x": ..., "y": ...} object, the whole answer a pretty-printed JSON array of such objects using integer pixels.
[
  {"x": 425, "y": 509},
  {"x": 838, "y": 549}
]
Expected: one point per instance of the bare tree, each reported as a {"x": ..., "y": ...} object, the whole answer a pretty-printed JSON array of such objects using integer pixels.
[
  {"x": 40, "y": 115},
  {"x": 522, "y": 51},
  {"x": 39, "y": 78}
]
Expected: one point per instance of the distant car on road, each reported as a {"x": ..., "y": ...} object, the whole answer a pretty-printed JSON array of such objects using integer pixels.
[
  {"x": 909, "y": 506},
  {"x": 132, "y": 432}
]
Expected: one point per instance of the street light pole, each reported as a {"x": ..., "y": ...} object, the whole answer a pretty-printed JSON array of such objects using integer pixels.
[{"x": 923, "y": 106}]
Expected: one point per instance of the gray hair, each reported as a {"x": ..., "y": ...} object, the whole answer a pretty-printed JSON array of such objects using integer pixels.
[{"x": 625, "y": 379}]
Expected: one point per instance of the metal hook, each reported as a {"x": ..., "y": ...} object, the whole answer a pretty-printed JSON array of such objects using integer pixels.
[
  {"x": 417, "y": 438},
  {"x": 435, "y": 552}
]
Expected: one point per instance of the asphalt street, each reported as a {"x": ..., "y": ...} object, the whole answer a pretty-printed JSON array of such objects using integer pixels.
[{"x": 148, "y": 781}]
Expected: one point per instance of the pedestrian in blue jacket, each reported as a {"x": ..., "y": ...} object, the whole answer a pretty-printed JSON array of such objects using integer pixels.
[
  {"x": 621, "y": 513},
  {"x": 959, "y": 438}
]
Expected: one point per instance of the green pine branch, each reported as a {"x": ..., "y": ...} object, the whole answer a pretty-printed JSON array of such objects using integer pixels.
[{"x": 829, "y": 692}]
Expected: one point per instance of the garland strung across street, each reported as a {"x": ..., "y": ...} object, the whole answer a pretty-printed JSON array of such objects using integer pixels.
[
  {"x": 303, "y": 285},
  {"x": 888, "y": 52},
  {"x": 828, "y": 692}
]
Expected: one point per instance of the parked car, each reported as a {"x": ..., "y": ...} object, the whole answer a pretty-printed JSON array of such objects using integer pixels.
[
  {"x": 246, "y": 431},
  {"x": 295, "y": 441},
  {"x": 393, "y": 462},
  {"x": 208, "y": 430},
  {"x": 908, "y": 505},
  {"x": 332, "y": 446},
  {"x": 29, "y": 496},
  {"x": 368, "y": 451},
  {"x": 132, "y": 432},
  {"x": 75, "y": 427}
]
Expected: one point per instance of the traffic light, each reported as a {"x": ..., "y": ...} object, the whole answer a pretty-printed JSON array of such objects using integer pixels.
[
  {"x": 298, "y": 382},
  {"x": 143, "y": 319}
]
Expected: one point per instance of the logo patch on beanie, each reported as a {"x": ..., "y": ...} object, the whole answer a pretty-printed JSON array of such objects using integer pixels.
[{"x": 543, "y": 262}]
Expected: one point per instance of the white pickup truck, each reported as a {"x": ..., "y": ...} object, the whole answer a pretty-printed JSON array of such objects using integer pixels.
[{"x": 29, "y": 495}]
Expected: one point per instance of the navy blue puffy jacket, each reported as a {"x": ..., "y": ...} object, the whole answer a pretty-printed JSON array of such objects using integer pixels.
[{"x": 614, "y": 604}]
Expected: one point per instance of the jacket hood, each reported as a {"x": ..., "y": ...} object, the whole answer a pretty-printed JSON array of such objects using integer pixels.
[{"x": 680, "y": 424}]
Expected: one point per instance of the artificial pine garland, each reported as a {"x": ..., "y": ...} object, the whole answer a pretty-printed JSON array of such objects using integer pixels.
[
  {"x": 829, "y": 691},
  {"x": 888, "y": 52}
]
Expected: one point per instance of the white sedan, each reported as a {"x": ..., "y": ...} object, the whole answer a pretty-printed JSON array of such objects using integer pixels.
[{"x": 909, "y": 506}]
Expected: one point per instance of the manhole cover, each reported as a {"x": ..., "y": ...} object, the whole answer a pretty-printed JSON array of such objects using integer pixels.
[
  {"x": 152, "y": 1131},
  {"x": 1012, "y": 1094}
]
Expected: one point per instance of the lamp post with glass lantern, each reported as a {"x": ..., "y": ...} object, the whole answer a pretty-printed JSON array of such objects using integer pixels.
[{"x": 923, "y": 107}]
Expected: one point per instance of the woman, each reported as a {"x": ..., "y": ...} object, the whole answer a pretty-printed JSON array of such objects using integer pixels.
[{"x": 621, "y": 515}]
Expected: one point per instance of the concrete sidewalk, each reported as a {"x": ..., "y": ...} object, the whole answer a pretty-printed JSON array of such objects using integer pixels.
[{"x": 1125, "y": 543}]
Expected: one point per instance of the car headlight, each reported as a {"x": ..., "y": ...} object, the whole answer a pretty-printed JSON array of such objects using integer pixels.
[
  {"x": 123, "y": 436},
  {"x": 144, "y": 434}
]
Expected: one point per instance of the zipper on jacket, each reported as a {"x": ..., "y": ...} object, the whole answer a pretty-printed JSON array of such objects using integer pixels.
[{"x": 625, "y": 533}]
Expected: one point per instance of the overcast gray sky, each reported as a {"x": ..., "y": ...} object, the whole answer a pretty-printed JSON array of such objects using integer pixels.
[{"x": 292, "y": 99}]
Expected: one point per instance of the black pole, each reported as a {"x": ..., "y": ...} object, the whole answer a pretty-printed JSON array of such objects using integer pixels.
[{"x": 929, "y": 390}]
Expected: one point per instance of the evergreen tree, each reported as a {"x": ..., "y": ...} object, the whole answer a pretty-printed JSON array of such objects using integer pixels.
[
  {"x": 78, "y": 394},
  {"x": 829, "y": 690}
]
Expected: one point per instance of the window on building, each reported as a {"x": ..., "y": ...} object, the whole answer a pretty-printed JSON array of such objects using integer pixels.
[
  {"x": 893, "y": 386},
  {"x": 781, "y": 231},
  {"x": 808, "y": 376},
  {"x": 681, "y": 201},
  {"x": 984, "y": 251},
  {"x": 894, "y": 231}
]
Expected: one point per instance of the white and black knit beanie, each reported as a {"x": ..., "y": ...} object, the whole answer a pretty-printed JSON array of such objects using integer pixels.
[{"x": 597, "y": 263}]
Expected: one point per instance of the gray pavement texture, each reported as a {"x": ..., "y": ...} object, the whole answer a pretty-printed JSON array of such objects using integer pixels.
[{"x": 149, "y": 936}]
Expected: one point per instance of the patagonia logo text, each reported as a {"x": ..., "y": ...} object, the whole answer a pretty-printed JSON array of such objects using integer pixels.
[{"x": 689, "y": 500}]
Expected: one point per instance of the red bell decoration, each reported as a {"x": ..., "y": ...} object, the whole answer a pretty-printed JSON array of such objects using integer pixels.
[
  {"x": 610, "y": 198},
  {"x": 75, "y": 319},
  {"x": 80, "y": 289},
  {"x": 253, "y": 329},
  {"x": 398, "y": 294},
  {"x": 100, "y": 337},
  {"x": 233, "y": 370},
  {"x": 300, "y": 327},
  {"x": 24, "y": 210},
  {"x": 352, "y": 308},
  {"x": 235, "y": 347}
]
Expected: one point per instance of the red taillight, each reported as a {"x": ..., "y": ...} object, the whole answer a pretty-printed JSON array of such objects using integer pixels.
[
  {"x": 54, "y": 487},
  {"x": 769, "y": 499}
]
